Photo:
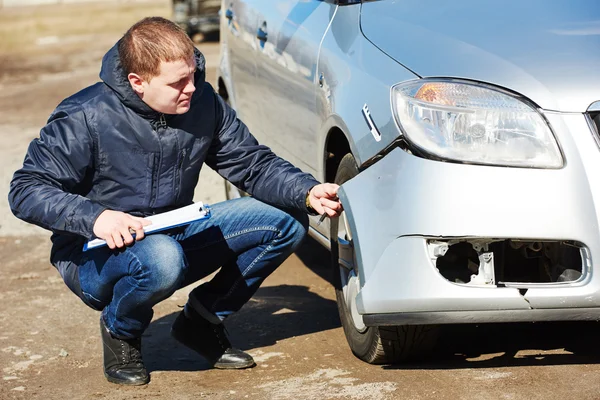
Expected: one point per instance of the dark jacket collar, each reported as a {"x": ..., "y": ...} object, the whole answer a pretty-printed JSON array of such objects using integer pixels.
[{"x": 113, "y": 75}]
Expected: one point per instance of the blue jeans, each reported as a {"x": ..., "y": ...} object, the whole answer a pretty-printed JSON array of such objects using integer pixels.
[{"x": 246, "y": 238}]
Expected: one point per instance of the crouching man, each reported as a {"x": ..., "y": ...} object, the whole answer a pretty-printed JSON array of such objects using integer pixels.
[{"x": 131, "y": 146}]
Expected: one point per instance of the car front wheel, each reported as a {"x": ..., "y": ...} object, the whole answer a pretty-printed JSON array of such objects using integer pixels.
[{"x": 373, "y": 344}]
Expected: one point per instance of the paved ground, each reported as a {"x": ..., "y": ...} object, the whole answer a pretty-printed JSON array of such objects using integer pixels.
[{"x": 49, "y": 341}]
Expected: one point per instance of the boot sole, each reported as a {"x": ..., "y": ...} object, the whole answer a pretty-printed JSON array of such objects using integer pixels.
[
  {"x": 235, "y": 366},
  {"x": 128, "y": 383}
]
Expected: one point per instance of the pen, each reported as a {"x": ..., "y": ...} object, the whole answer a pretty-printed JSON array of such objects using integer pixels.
[{"x": 323, "y": 216}]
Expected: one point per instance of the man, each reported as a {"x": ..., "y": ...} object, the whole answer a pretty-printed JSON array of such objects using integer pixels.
[{"x": 133, "y": 145}]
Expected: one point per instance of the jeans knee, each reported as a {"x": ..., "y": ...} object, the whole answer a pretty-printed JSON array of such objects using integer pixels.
[
  {"x": 296, "y": 229},
  {"x": 162, "y": 262}
]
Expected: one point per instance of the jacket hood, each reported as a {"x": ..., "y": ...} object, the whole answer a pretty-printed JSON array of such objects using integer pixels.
[
  {"x": 544, "y": 50},
  {"x": 113, "y": 75}
]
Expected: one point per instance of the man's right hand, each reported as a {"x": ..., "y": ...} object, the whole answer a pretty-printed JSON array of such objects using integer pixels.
[{"x": 114, "y": 227}]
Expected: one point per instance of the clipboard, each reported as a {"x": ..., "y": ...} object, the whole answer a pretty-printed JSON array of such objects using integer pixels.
[{"x": 163, "y": 221}]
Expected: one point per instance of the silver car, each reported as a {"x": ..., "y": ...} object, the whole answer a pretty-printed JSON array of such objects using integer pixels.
[{"x": 465, "y": 135}]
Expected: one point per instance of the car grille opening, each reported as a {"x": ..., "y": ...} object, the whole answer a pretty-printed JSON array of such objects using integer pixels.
[{"x": 515, "y": 263}]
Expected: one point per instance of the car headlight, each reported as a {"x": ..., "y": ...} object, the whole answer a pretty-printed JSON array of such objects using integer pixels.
[{"x": 473, "y": 123}]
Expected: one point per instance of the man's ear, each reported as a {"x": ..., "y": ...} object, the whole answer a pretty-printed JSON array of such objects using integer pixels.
[{"x": 136, "y": 83}]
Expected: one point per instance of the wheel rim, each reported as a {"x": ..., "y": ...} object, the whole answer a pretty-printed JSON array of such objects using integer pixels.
[{"x": 349, "y": 279}]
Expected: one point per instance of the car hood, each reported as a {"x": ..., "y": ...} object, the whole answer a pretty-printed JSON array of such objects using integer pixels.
[{"x": 548, "y": 51}]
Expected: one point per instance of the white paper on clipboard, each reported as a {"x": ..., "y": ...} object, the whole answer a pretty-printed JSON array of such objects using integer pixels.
[{"x": 166, "y": 220}]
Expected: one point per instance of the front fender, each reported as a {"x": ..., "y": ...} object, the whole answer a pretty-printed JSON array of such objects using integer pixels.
[{"x": 356, "y": 73}]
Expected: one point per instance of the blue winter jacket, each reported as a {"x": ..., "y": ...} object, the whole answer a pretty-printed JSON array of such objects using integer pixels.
[{"x": 104, "y": 148}]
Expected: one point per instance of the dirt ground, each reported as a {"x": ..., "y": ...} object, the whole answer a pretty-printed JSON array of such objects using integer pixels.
[{"x": 49, "y": 341}]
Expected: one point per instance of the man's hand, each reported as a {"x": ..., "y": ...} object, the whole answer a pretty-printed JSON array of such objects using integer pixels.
[
  {"x": 323, "y": 198},
  {"x": 116, "y": 227}
]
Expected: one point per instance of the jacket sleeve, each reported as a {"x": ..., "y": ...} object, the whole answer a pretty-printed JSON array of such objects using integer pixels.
[
  {"x": 44, "y": 190},
  {"x": 236, "y": 156}
]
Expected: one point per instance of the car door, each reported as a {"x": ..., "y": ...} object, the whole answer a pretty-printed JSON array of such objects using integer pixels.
[
  {"x": 288, "y": 36},
  {"x": 240, "y": 50}
]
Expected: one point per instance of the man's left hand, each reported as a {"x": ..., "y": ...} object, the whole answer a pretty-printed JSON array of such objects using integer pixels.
[{"x": 324, "y": 200}]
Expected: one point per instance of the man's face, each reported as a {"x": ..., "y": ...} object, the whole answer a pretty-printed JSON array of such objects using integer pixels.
[{"x": 170, "y": 92}]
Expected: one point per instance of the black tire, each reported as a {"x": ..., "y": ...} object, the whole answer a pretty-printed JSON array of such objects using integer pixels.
[{"x": 375, "y": 344}]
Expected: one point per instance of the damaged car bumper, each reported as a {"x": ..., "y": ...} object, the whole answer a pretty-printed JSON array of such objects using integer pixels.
[{"x": 444, "y": 242}]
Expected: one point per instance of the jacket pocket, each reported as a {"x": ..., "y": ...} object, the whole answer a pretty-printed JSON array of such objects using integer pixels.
[{"x": 127, "y": 179}]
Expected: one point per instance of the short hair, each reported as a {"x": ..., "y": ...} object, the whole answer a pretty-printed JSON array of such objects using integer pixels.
[{"x": 150, "y": 41}]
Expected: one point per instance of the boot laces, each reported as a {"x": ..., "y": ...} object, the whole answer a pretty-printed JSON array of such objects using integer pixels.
[
  {"x": 132, "y": 351},
  {"x": 221, "y": 334}
]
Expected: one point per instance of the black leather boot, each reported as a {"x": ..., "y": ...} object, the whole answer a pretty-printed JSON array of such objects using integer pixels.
[
  {"x": 123, "y": 359},
  {"x": 209, "y": 340}
]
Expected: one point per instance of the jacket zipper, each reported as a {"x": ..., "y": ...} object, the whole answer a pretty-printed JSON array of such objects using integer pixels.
[
  {"x": 162, "y": 123},
  {"x": 179, "y": 175}
]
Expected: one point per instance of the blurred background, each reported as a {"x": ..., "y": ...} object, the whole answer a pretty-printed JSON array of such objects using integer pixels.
[{"x": 50, "y": 49}]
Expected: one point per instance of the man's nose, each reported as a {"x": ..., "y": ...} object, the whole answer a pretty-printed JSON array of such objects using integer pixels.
[{"x": 189, "y": 88}]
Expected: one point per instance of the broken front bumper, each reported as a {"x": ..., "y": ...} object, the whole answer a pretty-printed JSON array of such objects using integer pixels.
[{"x": 401, "y": 203}]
